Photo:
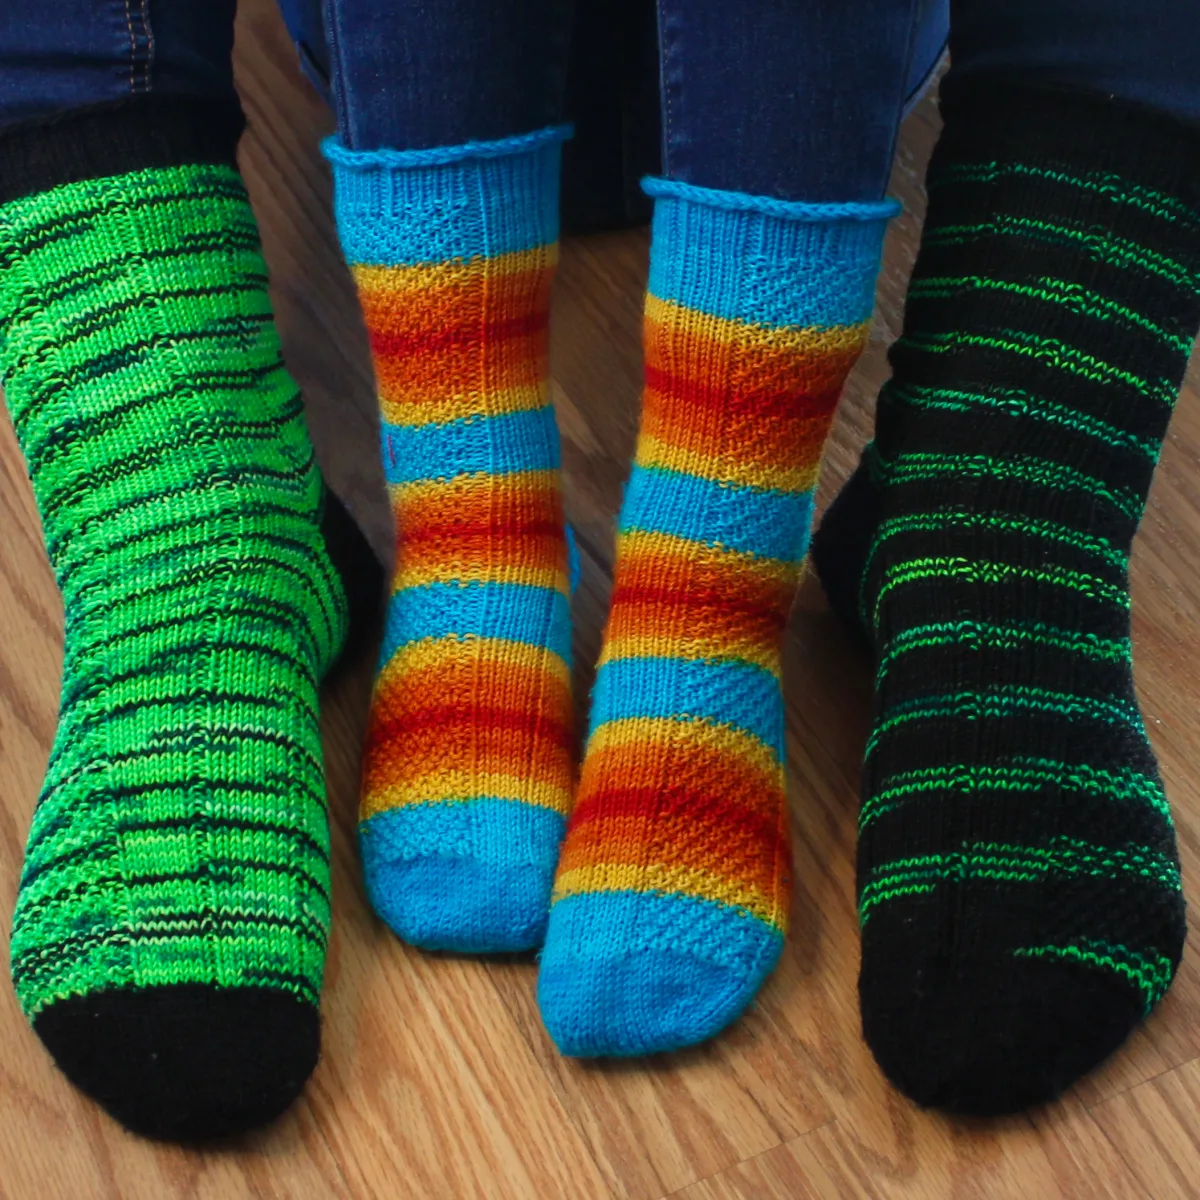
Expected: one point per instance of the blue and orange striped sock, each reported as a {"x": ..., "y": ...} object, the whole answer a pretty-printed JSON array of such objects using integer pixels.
[
  {"x": 671, "y": 899},
  {"x": 468, "y": 768}
]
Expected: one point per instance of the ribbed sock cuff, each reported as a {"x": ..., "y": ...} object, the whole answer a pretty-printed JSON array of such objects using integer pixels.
[
  {"x": 769, "y": 206},
  {"x": 478, "y": 199},
  {"x": 996, "y": 117},
  {"x": 141, "y": 133},
  {"x": 764, "y": 261}
]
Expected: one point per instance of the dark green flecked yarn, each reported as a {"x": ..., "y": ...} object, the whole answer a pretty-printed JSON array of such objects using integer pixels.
[
  {"x": 170, "y": 933},
  {"x": 1019, "y": 886}
]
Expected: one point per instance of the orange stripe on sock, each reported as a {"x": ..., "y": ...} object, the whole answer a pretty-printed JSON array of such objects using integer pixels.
[
  {"x": 741, "y": 404},
  {"x": 681, "y": 806},
  {"x": 481, "y": 528},
  {"x": 722, "y": 844},
  {"x": 768, "y": 905},
  {"x": 677, "y": 598},
  {"x": 428, "y": 326},
  {"x": 450, "y": 713},
  {"x": 771, "y": 366},
  {"x": 689, "y": 769},
  {"x": 756, "y": 451}
]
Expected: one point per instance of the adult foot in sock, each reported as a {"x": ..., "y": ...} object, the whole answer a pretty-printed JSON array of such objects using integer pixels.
[
  {"x": 1019, "y": 887},
  {"x": 468, "y": 765},
  {"x": 672, "y": 893},
  {"x": 170, "y": 931}
]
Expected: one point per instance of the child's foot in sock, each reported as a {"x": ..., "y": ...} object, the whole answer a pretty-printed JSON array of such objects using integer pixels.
[
  {"x": 1019, "y": 887},
  {"x": 170, "y": 931},
  {"x": 672, "y": 893},
  {"x": 469, "y": 759}
]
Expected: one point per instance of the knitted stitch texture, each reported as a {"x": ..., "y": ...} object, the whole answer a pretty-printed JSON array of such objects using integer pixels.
[
  {"x": 1019, "y": 886},
  {"x": 174, "y": 903},
  {"x": 467, "y": 771},
  {"x": 672, "y": 893}
]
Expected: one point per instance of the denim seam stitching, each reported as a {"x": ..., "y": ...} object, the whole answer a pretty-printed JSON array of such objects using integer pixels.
[
  {"x": 148, "y": 34},
  {"x": 132, "y": 47},
  {"x": 339, "y": 94},
  {"x": 665, "y": 98}
]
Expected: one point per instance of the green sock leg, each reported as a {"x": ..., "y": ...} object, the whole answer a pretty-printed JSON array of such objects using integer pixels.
[{"x": 171, "y": 925}]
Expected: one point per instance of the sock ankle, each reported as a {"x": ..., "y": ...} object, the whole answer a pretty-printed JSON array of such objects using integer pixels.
[
  {"x": 468, "y": 769},
  {"x": 170, "y": 931},
  {"x": 673, "y": 888},
  {"x": 1019, "y": 886}
]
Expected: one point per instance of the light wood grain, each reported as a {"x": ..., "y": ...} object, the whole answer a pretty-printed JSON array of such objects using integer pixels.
[
  {"x": 437, "y": 1078},
  {"x": 1155, "y": 1129},
  {"x": 934, "y": 1158}
]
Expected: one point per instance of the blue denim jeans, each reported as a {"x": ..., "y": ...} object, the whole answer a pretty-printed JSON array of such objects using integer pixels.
[
  {"x": 447, "y": 53},
  {"x": 783, "y": 97},
  {"x": 1147, "y": 51},
  {"x": 790, "y": 99},
  {"x": 57, "y": 55},
  {"x": 794, "y": 98}
]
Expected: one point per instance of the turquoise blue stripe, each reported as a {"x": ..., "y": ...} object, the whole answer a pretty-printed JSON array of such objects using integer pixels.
[
  {"x": 770, "y": 524},
  {"x": 477, "y": 207},
  {"x": 583, "y": 925},
  {"x": 513, "y": 612},
  {"x": 641, "y": 972},
  {"x": 493, "y": 830},
  {"x": 763, "y": 269},
  {"x": 729, "y": 693},
  {"x": 480, "y": 445},
  {"x": 472, "y": 877}
]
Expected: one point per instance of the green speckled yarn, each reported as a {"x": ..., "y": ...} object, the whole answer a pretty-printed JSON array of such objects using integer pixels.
[
  {"x": 181, "y": 835},
  {"x": 1019, "y": 887}
]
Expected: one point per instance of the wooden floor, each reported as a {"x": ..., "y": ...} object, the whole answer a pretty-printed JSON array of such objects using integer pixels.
[{"x": 437, "y": 1078}]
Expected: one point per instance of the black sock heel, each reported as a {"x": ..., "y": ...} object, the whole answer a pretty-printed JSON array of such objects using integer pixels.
[
  {"x": 360, "y": 572},
  {"x": 840, "y": 546}
]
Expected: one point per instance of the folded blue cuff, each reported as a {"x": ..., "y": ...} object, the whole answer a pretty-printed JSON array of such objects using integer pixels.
[{"x": 477, "y": 200}]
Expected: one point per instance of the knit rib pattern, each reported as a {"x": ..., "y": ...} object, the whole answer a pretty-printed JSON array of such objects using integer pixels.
[
  {"x": 181, "y": 834},
  {"x": 672, "y": 893},
  {"x": 467, "y": 771},
  {"x": 1019, "y": 886}
]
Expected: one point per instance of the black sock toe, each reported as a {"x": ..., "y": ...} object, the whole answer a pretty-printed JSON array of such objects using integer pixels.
[
  {"x": 994, "y": 1037},
  {"x": 188, "y": 1062}
]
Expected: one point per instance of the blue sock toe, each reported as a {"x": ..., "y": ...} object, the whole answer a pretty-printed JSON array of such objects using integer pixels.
[
  {"x": 627, "y": 973},
  {"x": 474, "y": 877}
]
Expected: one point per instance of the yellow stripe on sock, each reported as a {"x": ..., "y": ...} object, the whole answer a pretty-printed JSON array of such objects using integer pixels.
[
  {"x": 792, "y": 478},
  {"x": 669, "y": 880}
]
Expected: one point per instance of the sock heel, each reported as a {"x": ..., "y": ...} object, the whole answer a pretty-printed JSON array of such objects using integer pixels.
[
  {"x": 361, "y": 576},
  {"x": 840, "y": 547}
]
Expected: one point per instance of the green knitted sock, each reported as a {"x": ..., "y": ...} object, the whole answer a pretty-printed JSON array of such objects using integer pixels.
[{"x": 170, "y": 931}]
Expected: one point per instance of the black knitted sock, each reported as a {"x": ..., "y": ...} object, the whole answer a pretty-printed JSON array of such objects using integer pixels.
[{"x": 1019, "y": 887}]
